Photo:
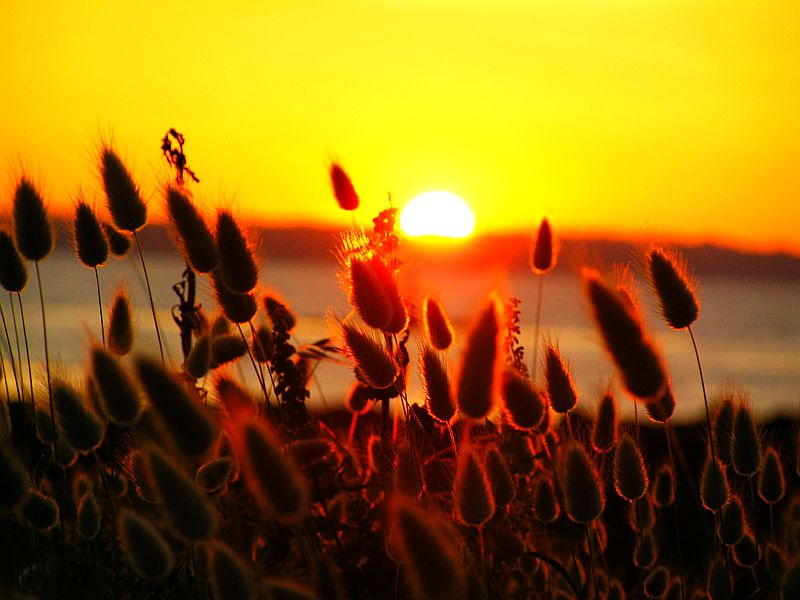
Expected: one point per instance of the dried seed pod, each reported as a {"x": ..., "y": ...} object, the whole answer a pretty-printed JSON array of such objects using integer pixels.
[
  {"x": 372, "y": 362},
  {"x": 238, "y": 308},
  {"x": 147, "y": 552},
  {"x": 662, "y": 487},
  {"x": 543, "y": 253},
  {"x": 545, "y": 503},
  {"x": 89, "y": 517},
  {"x": 674, "y": 289},
  {"x": 197, "y": 242},
  {"x": 771, "y": 481},
  {"x": 732, "y": 524},
  {"x": 368, "y": 293},
  {"x": 714, "y": 485},
  {"x": 500, "y": 479}
]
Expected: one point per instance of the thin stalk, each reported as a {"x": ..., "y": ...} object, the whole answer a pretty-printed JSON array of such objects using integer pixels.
[
  {"x": 637, "y": 544},
  {"x": 100, "y": 306},
  {"x": 28, "y": 356},
  {"x": 19, "y": 352},
  {"x": 5, "y": 379},
  {"x": 253, "y": 362},
  {"x": 46, "y": 360},
  {"x": 535, "y": 361},
  {"x": 677, "y": 512},
  {"x": 8, "y": 341},
  {"x": 150, "y": 296},
  {"x": 592, "y": 558}
]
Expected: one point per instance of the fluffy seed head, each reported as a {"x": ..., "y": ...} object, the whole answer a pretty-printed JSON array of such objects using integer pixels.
[
  {"x": 89, "y": 517},
  {"x": 584, "y": 499},
  {"x": 630, "y": 475},
  {"x": 14, "y": 481},
  {"x": 66, "y": 455},
  {"x": 180, "y": 411},
  {"x": 714, "y": 485},
  {"x": 262, "y": 344},
  {"x": 185, "y": 507},
  {"x": 31, "y": 224},
  {"x": 655, "y": 584},
  {"x": 436, "y": 383},
  {"x": 122, "y": 194},
  {"x": 118, "y": 396},
  {"x": 745, "y": 443},
  {"x": 236, "y": 400},
  {"x": 231, "y": 577},
  {"x": 746, "y": 552},
  {"x": 718, "y": 584},
  {"x": 199, "y": 360},
  {"x": 13, "y": 274},
  {"x": 368, "y": 294},
  {"x": 560, "y": 387},
  {"x": 227, "y": 348},
  {"x": 120, "y": 324},
  {"x": 674, "y": 289},
  {"x": 645, "y": 552},
  {"x": 147, "y": 552},
  {"x": 500, "y": 479},
  {"x": 343, "y": 189},
  {"x": 238, "y": 308},
  {"x": 524, "y": 404},
  {"x": 118, "y": 242},
  {"x": 545, "y": 503},
  {"x": 662, "y": 488},
  {"x": 212, "y": 476},
  {"x": 237, "y": 265},
  {"x": 407, "y": 481},
  {"x": 431, "y": 558},
  {"x": 543, "y": 254},
  {"x": 732, "y": 525},
  {"x": 477, "y": 373},
  {"x": 661, "y": 409},
  {"x": 40, "y": 511},
  {"x": 91, "y": 243},
  {"x": 625, "y": 339},
  {"x": 604, "y": 431},
  {"x": 83, "y": 430},
  {"x": 274, "y": 478},
  {"x": 197, "y": 241},
  {"x": 771, "y": 482},
  {"x": 359, "y": 398},
  {"x": 473, "y": 493},
  {"x": 437, "y": 326},
  {"x": 372, "y": 362},
  {"x": 723, "y": 429},
  {"x": 790, "y": 588}
]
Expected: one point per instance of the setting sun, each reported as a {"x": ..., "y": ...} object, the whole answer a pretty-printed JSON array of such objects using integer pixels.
[{"x": 437, "y": 213}]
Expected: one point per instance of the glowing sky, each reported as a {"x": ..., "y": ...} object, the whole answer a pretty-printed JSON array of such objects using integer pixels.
[{"x": 658, "y": 117}]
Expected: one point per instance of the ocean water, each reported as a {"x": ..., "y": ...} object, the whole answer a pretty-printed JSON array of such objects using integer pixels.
[{"x": 748, "y": 332}]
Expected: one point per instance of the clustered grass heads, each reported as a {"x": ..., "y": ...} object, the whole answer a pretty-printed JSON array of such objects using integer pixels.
[
  {"x": 624, "y": 337},
  {"x": 91, "y": 246},
  {"x": 476, "y": 379},
  {"x": 197, "y": 241},
  {"x": 129, "y": 212}
]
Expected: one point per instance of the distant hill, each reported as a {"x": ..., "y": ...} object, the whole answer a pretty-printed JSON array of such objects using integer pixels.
[{"x": 510, "y": 251}]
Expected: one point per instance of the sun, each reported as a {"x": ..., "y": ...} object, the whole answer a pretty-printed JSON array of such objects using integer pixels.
[{"x": 438, "y": 214}]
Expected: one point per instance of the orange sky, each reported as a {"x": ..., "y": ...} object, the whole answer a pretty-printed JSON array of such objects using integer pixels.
[{"x": 659, "y": 117}]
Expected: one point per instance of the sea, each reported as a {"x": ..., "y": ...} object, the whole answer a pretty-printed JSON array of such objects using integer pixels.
[{"x": 748, "y": 331}]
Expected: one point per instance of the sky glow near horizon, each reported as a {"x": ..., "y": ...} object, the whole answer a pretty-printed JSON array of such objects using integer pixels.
[{"x": 669, "y": 119}]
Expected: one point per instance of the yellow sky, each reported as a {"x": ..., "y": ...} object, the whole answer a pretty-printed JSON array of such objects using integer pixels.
[{"x": 657, "y": 117}]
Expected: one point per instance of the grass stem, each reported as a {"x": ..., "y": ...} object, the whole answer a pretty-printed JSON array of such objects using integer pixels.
[{"x": 150, "y": 296}]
